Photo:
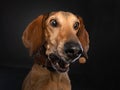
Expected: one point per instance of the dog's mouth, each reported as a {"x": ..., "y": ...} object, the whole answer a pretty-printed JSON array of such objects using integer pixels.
[{"x": 60, "y": 64}]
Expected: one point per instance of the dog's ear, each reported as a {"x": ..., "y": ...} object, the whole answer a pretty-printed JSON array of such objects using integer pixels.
[
  {"x": 83, "y": 37},
  {"x": 33, "y": 36}
]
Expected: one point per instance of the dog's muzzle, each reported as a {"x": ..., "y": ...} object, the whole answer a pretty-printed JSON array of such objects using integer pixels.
[{"x": 72, "y": 51}]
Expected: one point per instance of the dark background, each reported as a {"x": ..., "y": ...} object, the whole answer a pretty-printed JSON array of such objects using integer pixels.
[{"x": 101, "y": 18}]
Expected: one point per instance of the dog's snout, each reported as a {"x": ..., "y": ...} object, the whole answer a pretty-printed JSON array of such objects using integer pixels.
[{"x": 72, "y": 49}]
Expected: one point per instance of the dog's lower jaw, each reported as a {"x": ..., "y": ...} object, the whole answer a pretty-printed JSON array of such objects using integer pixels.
[
  {"x": 58, "y": 64},
  {"x": 59, "y": 69}
]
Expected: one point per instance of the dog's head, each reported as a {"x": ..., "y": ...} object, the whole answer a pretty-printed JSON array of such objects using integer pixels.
[{"x": 62, "y": 34}]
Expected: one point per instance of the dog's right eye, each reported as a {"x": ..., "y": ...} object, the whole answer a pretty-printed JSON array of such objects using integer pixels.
[{"x": 53, "y": 23}]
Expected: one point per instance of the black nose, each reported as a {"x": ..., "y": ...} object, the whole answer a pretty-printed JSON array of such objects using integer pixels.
[{"x": 72, "y": 49}]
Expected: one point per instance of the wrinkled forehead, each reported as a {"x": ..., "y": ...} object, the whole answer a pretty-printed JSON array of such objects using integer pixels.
[{"x": 63, "y": 16}]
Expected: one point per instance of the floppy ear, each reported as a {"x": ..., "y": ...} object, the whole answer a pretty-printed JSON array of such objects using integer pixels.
[
  {"x": 83, "y": 37},
  {"x": 33, "y": 36}
]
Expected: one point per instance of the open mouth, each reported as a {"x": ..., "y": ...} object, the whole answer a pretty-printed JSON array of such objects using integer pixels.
[{"x": 58, "y": 64}]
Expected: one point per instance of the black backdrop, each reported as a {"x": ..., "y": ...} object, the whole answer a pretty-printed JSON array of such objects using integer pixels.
[{"x": 101, "y": 18}]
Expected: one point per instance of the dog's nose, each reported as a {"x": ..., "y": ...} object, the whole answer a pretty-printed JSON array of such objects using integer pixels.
[{"x": 72, "y": 49}]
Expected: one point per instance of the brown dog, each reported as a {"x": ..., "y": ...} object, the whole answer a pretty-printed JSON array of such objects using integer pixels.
[{"x": 55, "y": 40}]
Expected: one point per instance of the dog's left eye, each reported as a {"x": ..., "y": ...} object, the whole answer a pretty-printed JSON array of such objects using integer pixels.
[
  {"x": 76, "y": 25},
  {"x": 53, "y": 23}
]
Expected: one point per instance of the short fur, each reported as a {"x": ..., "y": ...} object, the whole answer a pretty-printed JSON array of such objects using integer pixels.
[{"x": 40, "y": 33}]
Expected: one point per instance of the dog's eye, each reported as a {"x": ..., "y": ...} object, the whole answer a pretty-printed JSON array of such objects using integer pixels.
[
  {"x": 76, "y": 25},
  {"x": 53, "y": 23}
]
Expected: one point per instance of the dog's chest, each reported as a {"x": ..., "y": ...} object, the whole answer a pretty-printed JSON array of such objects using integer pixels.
[
  {"x": 47, "y": 80},
  {"x": 58, "y": 82}
]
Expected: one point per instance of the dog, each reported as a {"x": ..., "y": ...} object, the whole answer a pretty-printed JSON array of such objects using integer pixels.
[{"x": 55, "y": 40}]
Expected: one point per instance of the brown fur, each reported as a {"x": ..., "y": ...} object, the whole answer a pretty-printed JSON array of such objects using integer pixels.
[{"x": 37, "y": 33}]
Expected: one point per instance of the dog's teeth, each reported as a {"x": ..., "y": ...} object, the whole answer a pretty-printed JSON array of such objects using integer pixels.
[
  {"x": 57, "y": 64},
  {"x": 67, "y": 65}
]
